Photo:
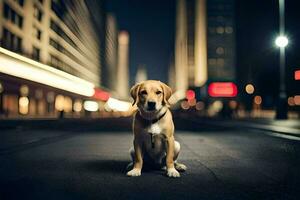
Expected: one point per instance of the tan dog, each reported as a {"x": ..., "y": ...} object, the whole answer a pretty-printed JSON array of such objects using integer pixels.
[{"x": 153, "y": 129}]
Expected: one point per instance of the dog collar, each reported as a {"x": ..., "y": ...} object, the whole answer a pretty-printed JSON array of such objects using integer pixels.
[{"x": 153, "y": 121}]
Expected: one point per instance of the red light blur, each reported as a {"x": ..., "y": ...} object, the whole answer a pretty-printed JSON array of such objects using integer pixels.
[
  {"x": 101, "y": 94},
  {"x": 297, "y": 75},
  {"x": 222, "y": 89},
  {"x": 190, "y": 94}
]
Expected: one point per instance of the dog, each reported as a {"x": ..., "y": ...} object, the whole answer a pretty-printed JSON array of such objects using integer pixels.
[{"x": 153, "y": 130}]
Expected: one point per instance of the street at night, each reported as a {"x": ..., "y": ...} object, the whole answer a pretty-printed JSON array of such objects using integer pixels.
[
  {"x": 149, "y": 99},
  {"x": 223, "y": 163}
]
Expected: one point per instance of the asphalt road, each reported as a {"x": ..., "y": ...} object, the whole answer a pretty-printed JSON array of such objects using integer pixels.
[{"x": 222, "y": 164}]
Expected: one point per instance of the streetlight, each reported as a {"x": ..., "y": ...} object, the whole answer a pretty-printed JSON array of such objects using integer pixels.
[{"x": 281, "y": 41}]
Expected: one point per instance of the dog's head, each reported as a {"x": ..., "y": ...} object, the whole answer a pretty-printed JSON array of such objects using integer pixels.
[{"x": 150, "y": 96}]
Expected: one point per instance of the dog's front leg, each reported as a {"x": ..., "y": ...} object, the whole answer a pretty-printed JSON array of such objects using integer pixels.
[
  {"x": 138, "y": 160},
  {"x": 171, "y": 171}
]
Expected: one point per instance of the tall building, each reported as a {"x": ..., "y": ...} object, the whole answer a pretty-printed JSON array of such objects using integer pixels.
[
  {"x": 50, "y": 55},
  {"x": 181, "y": 49},
  {"x": 141, "y": 74},
  {"x": 111, "y": 53},
  {"x": 221, "y": 40},
  {"x": 122, "y": 75},
  {"x": 204, "y": 43}
]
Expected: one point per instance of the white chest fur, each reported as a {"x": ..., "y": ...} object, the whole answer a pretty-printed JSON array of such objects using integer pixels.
[{"x": 155, "y": 129}]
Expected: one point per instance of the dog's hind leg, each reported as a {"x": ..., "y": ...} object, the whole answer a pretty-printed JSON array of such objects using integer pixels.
[
  {"x": 178, "y": 166},
  {"x": 130, "y": 165}
]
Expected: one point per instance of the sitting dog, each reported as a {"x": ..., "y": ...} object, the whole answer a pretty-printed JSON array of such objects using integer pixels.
[{"x": 153, "y": 129}]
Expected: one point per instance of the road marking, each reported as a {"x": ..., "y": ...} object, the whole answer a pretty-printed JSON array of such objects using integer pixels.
[{"x": 289, "y": 137}]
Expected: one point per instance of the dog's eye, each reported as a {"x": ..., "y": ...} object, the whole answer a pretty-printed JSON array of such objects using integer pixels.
[
  {"x": 158, "y": 92},
  {"x": 144, "y": 92}
]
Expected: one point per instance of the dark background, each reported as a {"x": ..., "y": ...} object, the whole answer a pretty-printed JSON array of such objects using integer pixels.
[{"x": 151, "y": 25}]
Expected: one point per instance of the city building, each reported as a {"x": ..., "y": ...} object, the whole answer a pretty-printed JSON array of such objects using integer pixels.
[
  {"x": 51, "y": 56},
  {"x": 111, "y": 53},
  {"x": 122, "y": 75},
  {"x": 141, "y": 74},
  {"x": 204, "y": 43}
]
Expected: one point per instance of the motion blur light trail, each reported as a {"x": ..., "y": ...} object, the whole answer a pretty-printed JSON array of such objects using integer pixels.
[{"x": 22, "y": 67}]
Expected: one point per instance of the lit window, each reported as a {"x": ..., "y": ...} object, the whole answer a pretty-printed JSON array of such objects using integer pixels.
[
  {"x": 212, "y": 61},
  {"x": 228, "y": 29},
  {"x": 220, "y": 62},
  {"x": 220, "y": 50},
  {"x": 220, "y": 30}
]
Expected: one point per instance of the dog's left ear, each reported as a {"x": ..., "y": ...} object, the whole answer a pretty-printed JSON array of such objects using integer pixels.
[
  {"x": 167, "y": 93},
  {"x": 134, "y": 92}
]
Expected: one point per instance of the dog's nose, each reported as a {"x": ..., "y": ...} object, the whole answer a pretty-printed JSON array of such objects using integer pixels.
[{"x": 151, "y": 105}]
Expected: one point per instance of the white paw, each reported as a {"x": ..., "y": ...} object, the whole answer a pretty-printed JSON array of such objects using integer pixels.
[
  {"x": 172, "y": 172},
  {"x": 134, "y": 172}
]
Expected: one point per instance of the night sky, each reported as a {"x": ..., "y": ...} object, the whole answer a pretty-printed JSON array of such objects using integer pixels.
[{"x": 151, "y": 24}]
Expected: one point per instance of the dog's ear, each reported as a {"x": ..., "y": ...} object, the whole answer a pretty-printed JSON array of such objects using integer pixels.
[
  {"x": 134, "y": 92},
  {"x": 167, "y": 93}
]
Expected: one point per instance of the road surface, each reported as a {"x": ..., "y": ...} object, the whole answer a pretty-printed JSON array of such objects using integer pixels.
[{"x": 222, "y": 164}]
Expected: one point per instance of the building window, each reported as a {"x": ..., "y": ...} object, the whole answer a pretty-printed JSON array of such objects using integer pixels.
[
  {"x": 37, "y": 33},
  {"x": 54, "y": 61},
  {"x": 220, "y": 62},
  {"x": 38, "y": 13},
  {"x": 59, "y": 8},
  {"x": 55, "y": 27},
  {"x": 12, "y": 16},
  {"x": 228, "y": 29},
  {"x": 57, "y": 63},
  {"x": 36, "y": 53},
  {"x": 220, "y": 50},
  {"x": 220, "y": 30},
  {"x": 54, "y": 44},
  {"x": 11, "y": 41},
  {"x": 212, "y": 61},
  {"x": 41, "y": 1}
]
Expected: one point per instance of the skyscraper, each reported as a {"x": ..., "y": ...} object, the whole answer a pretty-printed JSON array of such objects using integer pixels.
[
  {"x": 51, "y": 54},
  {"x": 111, "y": 53},
  {"x": 204, "y": 43},
  {"x": 122, "y": 82}
]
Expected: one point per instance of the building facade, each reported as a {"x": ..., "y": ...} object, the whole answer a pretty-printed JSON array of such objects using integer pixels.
[
  {"x": 204, "y": 43},
  {"x": 58, "y": 45},
  {"x": 122, "y": 75}
]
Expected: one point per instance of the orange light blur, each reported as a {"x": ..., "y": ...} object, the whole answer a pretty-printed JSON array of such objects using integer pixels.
[
  {"x": 185, "y": 105},
  {"x": 192, "y": 102},
  {"x": 200, "y": 105},
  {"x": 291, "y": 101},
  {"x": 297, "y": 100},
  {"x": 257, "y": 100},
  {"x": 297, "y": 75}
]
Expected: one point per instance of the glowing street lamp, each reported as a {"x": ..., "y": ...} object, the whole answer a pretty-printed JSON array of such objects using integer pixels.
[{"x": 281, "y": 41}]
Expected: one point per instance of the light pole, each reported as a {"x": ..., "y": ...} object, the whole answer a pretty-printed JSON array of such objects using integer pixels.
[{"x": 281, "y": 41}]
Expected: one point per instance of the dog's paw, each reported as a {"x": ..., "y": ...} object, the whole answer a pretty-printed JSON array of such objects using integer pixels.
[
  {"x": 172, "y": 172},
  {"x": 180, "y": 167},
  {"x": 134, "y": 172}
]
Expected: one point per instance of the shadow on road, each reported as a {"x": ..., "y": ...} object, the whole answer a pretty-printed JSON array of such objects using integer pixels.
[{"x": 103, "y": 166}]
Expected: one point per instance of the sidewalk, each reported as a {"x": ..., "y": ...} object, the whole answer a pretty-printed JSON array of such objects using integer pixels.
[{"x": 288, "y": 127}]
